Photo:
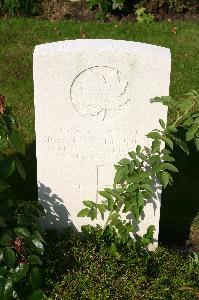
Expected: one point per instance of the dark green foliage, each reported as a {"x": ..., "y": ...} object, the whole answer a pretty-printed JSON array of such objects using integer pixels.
[
  {"x": 85, "y": 268},
  {"x": 20, "y": 241},
  {"x": 144, "y": 8},
  {"x": 18, "y": 7}
]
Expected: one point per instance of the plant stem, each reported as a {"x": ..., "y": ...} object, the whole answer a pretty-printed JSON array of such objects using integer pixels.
[{"x": 181, "y": 117}]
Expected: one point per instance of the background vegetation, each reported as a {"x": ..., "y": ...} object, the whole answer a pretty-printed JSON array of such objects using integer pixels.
[{"x": 62, "y": 8}]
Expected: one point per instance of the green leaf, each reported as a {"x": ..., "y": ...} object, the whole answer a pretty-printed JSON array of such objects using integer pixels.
[
  {"x": 135, "y": 210},
  {"x": 105, "y": 194},
  {"x": 140, "y": 202},
  {"x": 137, "y": 163},
  {"x": 157, "y": 167},
  {"x": 168, "y": 141},
  {"x": 164, "y": 178},
  {"x": 196, "y": 140},
  {"x": 154, "y": 135},
  {"x": 165, "y": 100},
  {"x": 7, "y": 167},
  {"x": 115, "y": 218},
  {"x": 191, "y": 132},
  {"x": 17, "y": 142},
  {"x": 115, "y": 193},
  {"x": 89, "y": 203},
  {"x": 195, "y": 115},
  {"x": 197, "y": 133},
  {"x": 120, "y": 175},
  {"x": 171, "y": 129},
  {"x": 113, "y": 250},
  {"x": 134, "y": 179},
  {"x": 101, "y": 208},
  {"x": 196, "y": 121},
  {"x": 132, "y": 154},
  {"x": 3, "y": 271},
  {"x": 34, "y": 260},
  {"x": 185, "y": 105},
  {"x": 2, "y": 287},
  {"x": 148, "y": 188},
  {"x": 123, "y": 162},
  {"x": 8, "y": 290},
  {"x": 162, "y": 123},
  {"x": 138, "y": 148},
  {"x": 39, "y": 248},
  {"x": 92, "y": 213},
  {"x": 154, "y": 159},
  {"x": 188, "y": 122},
  {"x": 182, "y": 145},
  {"x": 110, "y": 204},
  {"x": 20, "y": 168},
  {"x": 19, "y": 273},
  {"x": 131, "y": 166},
  {"x": 166, "y": 151},
  {"x": 156, "y": 146},
  {"x": 168, "y": 158},
  {"x": 142, "y": 156},
  {"x": 87, "y": 229},
  {"x": 9, "y": 257},
  {"x": 170, "y": 167},
  {"x": 83, "y": 213},
  {"x": 5, "y": 239},
  {"x": 148, "y": 236},
  {"x": 22, "y": 232},
  {"x": 132, "y": 188},
  {"x": 37, "y": 295},
  {"x": 35, "y": 278}
]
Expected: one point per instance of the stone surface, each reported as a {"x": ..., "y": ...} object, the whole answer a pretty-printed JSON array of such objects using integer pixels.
[{"x": 92, "y": 106}]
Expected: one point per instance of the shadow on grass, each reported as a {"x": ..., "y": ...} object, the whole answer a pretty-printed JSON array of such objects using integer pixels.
[{"x": 180, "y": 201}]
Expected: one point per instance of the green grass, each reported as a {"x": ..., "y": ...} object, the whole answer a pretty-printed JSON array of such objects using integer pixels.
[
  {"x": 85, "y": 269},
  {"x": 18, "y": 38}
]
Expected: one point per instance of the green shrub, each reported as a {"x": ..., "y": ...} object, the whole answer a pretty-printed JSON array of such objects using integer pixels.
[
  {"x": 136, "y": 175},
  {"x": 21, "y": 244},
  {"x": 18, "y": 7}
]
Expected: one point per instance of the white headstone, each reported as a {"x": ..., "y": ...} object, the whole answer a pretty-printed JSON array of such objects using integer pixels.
[{"x": 92, "y": 106}]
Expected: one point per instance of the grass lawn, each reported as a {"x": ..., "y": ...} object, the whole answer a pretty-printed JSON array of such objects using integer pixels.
[{"x": 18, "y": 38}]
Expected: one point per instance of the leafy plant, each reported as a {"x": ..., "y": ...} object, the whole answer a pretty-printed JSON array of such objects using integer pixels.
[
  {"x": 21, "y": 244},
  {"x": 105, "y": 6},
  {"x": 193, "y": 262},
  {"x": 19, "y": 7},
  {"x": 136, "y": 176},
  {"x": 142, "y": 16}
]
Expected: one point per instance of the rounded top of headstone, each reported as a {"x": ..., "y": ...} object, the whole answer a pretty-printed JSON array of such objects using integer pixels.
[{"x": 102, "y": 45}]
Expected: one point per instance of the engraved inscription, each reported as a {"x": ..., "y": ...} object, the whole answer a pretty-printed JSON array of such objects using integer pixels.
[
  {"x": 75, "y": 143},
  {"x": 100, "y": 91}
]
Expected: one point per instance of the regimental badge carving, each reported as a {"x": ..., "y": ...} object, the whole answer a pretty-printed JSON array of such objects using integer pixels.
[{"x": 100, "y": 92}]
